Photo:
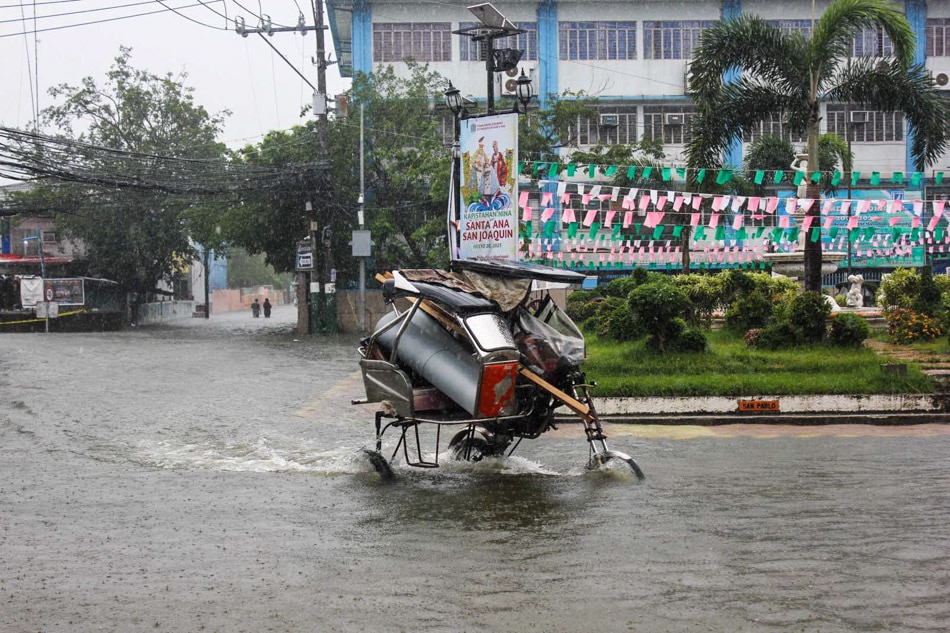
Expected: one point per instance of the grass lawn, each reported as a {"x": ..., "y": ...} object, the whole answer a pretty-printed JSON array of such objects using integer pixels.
[{"x": 730, "y": 368}]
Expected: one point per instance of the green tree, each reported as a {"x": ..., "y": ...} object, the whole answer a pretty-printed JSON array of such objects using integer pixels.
[
  {"x": 407, "y": 166},
  {"x": 136, "y": 236},
  {"x": 791, "y": 74}
]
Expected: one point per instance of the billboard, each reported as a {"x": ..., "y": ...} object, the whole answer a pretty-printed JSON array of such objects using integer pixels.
[{"x": 488, "y": 210}]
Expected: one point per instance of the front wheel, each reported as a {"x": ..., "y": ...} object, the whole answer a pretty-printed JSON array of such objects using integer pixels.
[{"x": 607, "y": 458}]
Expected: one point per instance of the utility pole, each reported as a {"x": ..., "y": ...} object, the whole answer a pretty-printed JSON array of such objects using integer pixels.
[{"x": 318, "y": 218}]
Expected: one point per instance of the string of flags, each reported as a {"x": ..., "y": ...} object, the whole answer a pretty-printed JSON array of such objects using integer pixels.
[
  {"x": 553, "y": 170},
  {"x": 629, "y": 225}
]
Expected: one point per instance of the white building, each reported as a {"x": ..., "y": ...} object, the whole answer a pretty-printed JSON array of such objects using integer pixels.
[{"x": 633, "y": 56}]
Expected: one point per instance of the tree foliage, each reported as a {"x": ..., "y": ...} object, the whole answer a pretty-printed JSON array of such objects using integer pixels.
[{"x": 132, "y": 236}]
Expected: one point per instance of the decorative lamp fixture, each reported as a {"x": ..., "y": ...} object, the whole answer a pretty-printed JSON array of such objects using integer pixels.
[
  {"x": 524, "y": 90},
  {"x": 453, "y": 99}
]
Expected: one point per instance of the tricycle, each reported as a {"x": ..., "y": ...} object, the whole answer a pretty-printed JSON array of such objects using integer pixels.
[{"x": 479, "y": 351}]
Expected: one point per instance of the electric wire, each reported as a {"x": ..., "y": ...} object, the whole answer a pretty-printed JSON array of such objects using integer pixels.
[{"x": 102, "y": 21}]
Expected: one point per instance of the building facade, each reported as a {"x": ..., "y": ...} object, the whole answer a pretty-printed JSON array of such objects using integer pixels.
[{"x": 633, "y": 56}]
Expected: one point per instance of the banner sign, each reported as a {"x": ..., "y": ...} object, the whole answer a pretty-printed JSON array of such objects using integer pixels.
[
  {"x": 488, "y": 222},
  {"x": 65, "y": 292}
]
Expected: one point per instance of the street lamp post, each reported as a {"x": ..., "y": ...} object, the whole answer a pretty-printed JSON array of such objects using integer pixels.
[{"x": 493, "y": 25}]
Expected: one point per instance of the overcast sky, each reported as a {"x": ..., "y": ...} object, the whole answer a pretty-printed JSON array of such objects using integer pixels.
[{"x": 227, "y": 71}]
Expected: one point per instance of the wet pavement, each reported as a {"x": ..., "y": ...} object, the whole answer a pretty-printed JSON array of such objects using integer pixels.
[{"x": 206, "y": 476}]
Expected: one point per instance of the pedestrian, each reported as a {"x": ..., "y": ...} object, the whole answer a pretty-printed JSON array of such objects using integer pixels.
[
  {"x": 255, "y": 309},
  {"x": 266, "y": 308}
]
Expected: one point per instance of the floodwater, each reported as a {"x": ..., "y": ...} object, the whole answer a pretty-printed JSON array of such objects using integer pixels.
[{"x": 206, "y": 476}]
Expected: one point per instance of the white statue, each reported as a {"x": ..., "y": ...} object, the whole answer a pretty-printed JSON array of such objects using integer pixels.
[
  {"x": 855, "y": 298},
  {"x": 801, "y": 164}
]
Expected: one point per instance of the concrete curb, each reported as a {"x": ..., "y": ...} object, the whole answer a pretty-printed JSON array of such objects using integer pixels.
[{"x": 800, "y": 410}]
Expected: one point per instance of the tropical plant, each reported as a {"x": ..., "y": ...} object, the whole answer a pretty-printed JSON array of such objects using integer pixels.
[
  {"x": 848, "y": 330},
  {"x": 791, "y": 74},
  {"x": 774, "y": 153}
]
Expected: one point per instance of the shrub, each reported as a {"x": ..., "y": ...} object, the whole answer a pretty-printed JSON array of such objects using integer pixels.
[
  {"x": 619, "y": 324},
  {"x": 691, "y": 341},
  {"x": 706, "y": 295},
  {"x": 751, "y": 337},
  {"x": 927, "y": 300},
  {"x": 752, "y": 310},
  {"x": 620, "y": 287},
  {"x": 849, "y": 330},
  {"x": 779, "y": 336},
  {"x": 809, "y": 313},
  {"x": 908, "y": 326},
  {"x": 581, "y": 306},
  {"x": 659, "y": 308}
]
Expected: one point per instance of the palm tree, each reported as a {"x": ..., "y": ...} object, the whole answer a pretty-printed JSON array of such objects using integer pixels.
[{"x": 791, "y": 75}]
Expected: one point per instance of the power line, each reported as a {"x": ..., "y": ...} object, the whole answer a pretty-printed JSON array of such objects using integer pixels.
[{"x": 102, "y": 21}]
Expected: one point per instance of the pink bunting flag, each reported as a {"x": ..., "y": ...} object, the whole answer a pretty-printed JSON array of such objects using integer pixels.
[
  {"x": 677, "y": 203},
  {"x": 737, "y": 222},
  {"x": 829, "y": 221},
  {"x": 694, "y": 219},
  {"x": 754, "y": 203},
  {"x": 771, "y": 205},
  {"x": 938, "y": 207},
  {"x": 697, "y": 202},
  {"x": 547, "y": 198},
  {"x": 546, "y": 214},
  {"x": 644, "y": 202},
  {"x": 717, "y": 203},
  {"x": 852, "y": 222},
  {"x": 566, "y": 198},
  {"x": 526, "y": 215},
  {"x": 609, "y": 218},
  {"x": 896, "y": 205},
  {"x": 567, "y": 216},
  {"x": 585, "y": 199},
  {"x": 714, "y": 220},
  {"x": 590, "y": 217},
  {"x": 807, "y": 222},
  {"x": 893, "y": 221},
  {"x": 627, "y": 219},
  {"x": 784, "y": 222},
  {"x": 523, "y": 199}
]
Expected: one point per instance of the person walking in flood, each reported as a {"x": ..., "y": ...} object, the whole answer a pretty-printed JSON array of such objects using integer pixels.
[
  {"x": 255, "y": 309},
  {"x": 267, "y": 307}
]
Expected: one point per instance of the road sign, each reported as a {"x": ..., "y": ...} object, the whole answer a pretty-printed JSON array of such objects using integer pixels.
[{"x": 304, "y": 261}]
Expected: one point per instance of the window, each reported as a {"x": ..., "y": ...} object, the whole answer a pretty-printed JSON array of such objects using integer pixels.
[
  {"x": 671, "y": 40},
  {"x": 938, "y": 37},
  {"x": 872, "y": 43},
  {"x": 880, "y": 126},
  {"x": 792, "y": 26},
  {"x": 658, "y": 125},
  {"x": 597, "y": 40},
  {"x": 421, "y": 42},
  {"x": 773, "y": 126},
  {"x": 469, "y": 50},
  {"x": 618, "y": 127},
  {"x": 50, "y": 236}
]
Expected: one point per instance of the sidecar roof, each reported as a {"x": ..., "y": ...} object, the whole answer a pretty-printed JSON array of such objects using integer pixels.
[{"x": 518, "y": 270}]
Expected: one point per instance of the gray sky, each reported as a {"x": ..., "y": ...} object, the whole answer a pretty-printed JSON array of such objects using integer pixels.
[{"x": 227, "y": 71}]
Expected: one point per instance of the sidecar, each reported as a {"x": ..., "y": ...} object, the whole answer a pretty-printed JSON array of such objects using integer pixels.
[{"x": 473, "y": 351}]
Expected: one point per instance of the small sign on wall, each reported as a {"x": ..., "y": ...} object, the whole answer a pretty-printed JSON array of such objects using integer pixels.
[{"x": 758, "y": 406}]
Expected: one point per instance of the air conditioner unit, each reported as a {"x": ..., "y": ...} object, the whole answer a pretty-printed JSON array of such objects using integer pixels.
[
  {"x": 674, "y": 119},
  {"x": 508, "y": 80},
  {"x": 610, "y": 120},
  {"x": 942, "y": 80},
  {"x": 859, "y": 116}
]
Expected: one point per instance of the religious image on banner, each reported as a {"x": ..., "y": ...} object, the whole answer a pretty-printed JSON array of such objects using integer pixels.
[{"x": 488, "y": 222}]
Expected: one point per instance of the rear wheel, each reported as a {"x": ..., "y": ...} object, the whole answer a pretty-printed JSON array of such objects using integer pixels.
[
  {"x": 472, "y": 445},
  {"x": 379, "y": 463}
]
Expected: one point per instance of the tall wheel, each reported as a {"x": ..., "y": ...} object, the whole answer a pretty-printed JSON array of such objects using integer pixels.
[
  {"x": 606, "y": 458},
  {"x": 475, "y": 443}
]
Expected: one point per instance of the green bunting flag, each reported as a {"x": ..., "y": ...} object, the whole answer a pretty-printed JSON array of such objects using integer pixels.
[
  {"x": 875, "y": 178},
  {"x": 724, "y": 176},
  {"x": 816, "y": 177},
  {"x": 647, "y": 171},
  {"x": 631, "y": 172},
  {"x": 759, "y": 175},
  {"x": 611, "y": 171},
  {"x": 855, "y": 177},
  {"x": 571, "y": 170},
  {"x": 553, "y": 170},
  {"x": 591, "y": 170},
  {"x": 897, "y": 178},
  {"x": 799, "y": 177},
  {"x": 835, "y": 178},
  {"x": 667, "y": 174},
  {"x": 779, "y": 176},
  {"x": 815, "y": 234},
  {"x": 701, "y": 176}
]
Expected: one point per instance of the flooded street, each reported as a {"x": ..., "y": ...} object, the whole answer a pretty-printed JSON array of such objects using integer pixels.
[{"x": 207, "y": 476}]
